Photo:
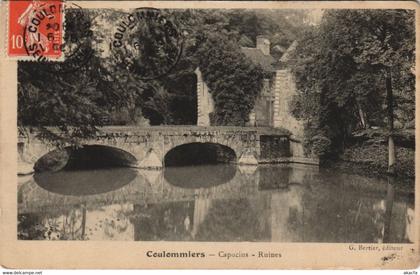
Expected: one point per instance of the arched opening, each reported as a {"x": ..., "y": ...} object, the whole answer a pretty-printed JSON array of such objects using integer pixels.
[
  {"x": 84, "y": 158},
  {"x": 199, "y": 154},
  {"x": 80, "y": 171}
]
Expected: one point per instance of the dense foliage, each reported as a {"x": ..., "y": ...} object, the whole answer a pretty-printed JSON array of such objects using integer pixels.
[
  {"x": 99, "y": 87},
  {"x": 233, "y": 80},
  {"x": 342, "y": 69},
  {"x": 72, "y": 95}
]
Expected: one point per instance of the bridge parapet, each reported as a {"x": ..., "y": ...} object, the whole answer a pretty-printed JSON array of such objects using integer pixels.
[{"x": 182, "y": 129}]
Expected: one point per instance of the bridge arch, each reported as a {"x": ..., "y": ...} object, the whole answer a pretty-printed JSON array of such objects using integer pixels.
[
  {"x": 85, "y": 157},
  {"x": 198, "y": 153}
]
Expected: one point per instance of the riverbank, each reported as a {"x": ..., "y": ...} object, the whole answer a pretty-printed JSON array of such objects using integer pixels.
[{"x": 372, "y": 160}]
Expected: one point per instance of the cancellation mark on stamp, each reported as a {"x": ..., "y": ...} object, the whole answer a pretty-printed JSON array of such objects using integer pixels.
[
  {"x": 76, "y": 48},
  {"x": 35, "y": 29}
]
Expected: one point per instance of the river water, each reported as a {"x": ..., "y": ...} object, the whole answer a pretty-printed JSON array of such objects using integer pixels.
[{"x": 268, "y": 203}]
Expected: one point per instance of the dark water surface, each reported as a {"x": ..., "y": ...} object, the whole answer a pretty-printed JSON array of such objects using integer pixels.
[{"x": 270, "y": 203}]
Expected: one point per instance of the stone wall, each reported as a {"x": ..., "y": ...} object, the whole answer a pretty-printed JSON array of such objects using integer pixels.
[
  {"x": 274, "y": 147},
  {"x": 205, "y": 104},
  {"x": 284, "y": 90},
  {"x": 262, "y": 113},
  {"x": 271, "y": 108}
]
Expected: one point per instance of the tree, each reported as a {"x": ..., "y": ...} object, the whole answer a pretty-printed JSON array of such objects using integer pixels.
[
  {"x": 385, "y": 45},
  {"x": 233, "y": 80},
  {"x": 68, "y": 95},
  {"x": 113, "y": 87},
  {"x": 350, "y": 64}
]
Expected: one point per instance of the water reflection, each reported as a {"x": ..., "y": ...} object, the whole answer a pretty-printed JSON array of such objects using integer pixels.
[
  {"x": 166, "y": 221},
  {"x": 271, "y": 203},
  {"x": 87, "y": 182},
  {"x": 104, "y": 223},
  {"x": 201, "y": 176}
]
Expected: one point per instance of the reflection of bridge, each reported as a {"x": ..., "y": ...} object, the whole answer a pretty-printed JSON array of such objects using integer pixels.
[
  {"x": 149, "y": 145},
  {"x": 153, "y": 186},
  {"x": 149, "y": 208},
  {"x": 156, "y": 186}
]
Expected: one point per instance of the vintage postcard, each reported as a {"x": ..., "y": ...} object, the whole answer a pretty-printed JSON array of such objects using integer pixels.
[{"x": 208, "y": 134}]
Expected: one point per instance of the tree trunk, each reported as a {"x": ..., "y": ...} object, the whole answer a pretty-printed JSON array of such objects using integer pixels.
[
  {"x": 389, "y": 202},
  {"x": 362, "y": 115},
  {"x": 390, "y": 113},
  {"x": 83, "y": 221}
]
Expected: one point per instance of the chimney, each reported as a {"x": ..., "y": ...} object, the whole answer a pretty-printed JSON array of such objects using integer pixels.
[{"x": 263, "y": 44}]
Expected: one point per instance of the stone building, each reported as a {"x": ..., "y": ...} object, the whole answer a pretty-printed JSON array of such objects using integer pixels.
[{"x": 272, "y": 105}]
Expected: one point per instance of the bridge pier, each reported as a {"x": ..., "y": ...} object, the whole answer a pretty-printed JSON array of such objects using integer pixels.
[
  {"x": 30, "y": 150},
  {"x": 247, "y": 158},
  {"x": 151, "y": 161}
]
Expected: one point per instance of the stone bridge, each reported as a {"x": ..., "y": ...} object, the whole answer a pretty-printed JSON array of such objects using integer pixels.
[{"x": 149, "y": 145}]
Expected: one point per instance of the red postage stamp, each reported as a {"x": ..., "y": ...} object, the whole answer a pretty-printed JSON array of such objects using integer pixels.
[{"x": 35, "y": 29}]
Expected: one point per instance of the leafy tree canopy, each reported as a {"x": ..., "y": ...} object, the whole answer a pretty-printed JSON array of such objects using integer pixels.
[
  {"x": 76, "y": 97},
  {"x": 341, "y": 68}
]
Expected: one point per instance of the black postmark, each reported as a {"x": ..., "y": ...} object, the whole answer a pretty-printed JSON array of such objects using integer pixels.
[
  {"x": 42, "y": 29},
  {"x": 147, "y": 43},
  {"x": 76, "y": 46},
  {"x": 78, "y": 37}
]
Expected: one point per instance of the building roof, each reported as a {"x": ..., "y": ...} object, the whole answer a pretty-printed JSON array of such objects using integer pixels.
[{"x": 257, "y": 57}]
